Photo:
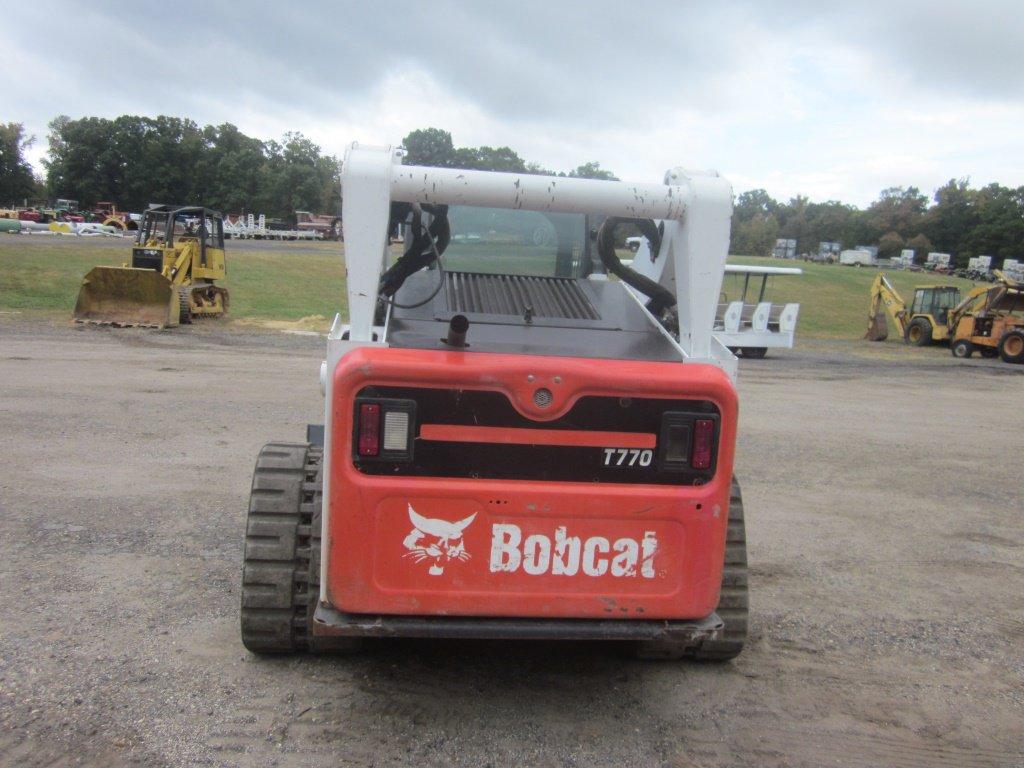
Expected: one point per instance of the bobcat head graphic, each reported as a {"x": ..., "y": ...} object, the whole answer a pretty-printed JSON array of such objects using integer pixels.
[{"x": 436, "y": 540}]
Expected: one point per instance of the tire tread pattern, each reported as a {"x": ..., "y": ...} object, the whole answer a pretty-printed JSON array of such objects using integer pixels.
[{"x": 280, "y": 576}]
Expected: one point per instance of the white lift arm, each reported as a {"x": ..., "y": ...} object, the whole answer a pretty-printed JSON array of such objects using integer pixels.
[{"x": 696, "y": 208}]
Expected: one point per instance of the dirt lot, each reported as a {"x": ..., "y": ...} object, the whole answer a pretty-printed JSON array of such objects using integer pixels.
[{"x": 884, "y": 503}]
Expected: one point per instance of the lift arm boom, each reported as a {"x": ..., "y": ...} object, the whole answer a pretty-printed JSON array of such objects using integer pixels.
[{"x": 885, "y": 299}]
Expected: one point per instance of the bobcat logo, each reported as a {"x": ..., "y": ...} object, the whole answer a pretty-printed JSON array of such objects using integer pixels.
[{"x": 444, "y": 541}]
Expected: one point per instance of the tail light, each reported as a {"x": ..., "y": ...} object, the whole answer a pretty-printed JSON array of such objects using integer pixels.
[
  {"x": 687, "y": 442},
  {"x": 384, "y": 429},
  {"x": 369, "y": 429},
  {"x": 703, "y": 440}
]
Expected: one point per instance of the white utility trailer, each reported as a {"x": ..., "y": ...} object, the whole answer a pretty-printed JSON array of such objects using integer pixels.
[
  {"x": 751, "y": 325},
  {"x": 251, "y": 227},
  {"x": 856, "y": 257}
]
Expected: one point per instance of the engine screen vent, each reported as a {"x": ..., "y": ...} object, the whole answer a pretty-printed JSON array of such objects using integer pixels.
[{"x": 521, "y": 295}]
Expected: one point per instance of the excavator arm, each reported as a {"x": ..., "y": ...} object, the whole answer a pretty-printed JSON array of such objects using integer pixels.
[{"x": 885, "y": 299}]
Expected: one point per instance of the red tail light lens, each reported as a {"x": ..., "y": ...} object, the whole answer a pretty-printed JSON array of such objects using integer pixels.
[
  {"x": 369, "y": 429},
  {"x": 703, "y": 440}
]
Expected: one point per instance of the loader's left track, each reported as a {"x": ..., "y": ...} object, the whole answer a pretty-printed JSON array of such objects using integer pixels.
[{"x": 281, "y": 569}]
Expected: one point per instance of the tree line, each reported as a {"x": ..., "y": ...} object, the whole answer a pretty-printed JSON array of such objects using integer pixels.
[
  {"x": 434, "y": 147},
  {"x": 133, "y": 161},
  {"x": 17, "y": 181},
  {"x": 958, "y": 219}
]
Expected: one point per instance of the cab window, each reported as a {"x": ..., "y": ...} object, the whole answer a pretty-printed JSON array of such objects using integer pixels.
[{"x": 502, "y": 241}]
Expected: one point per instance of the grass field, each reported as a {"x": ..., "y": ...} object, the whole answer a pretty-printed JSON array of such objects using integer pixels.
[
  {"x": 264, "y": 284},
  {"x": 306, "y": 280}
]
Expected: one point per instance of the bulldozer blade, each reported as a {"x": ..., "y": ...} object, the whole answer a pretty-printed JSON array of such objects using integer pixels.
[
  {"x": 878, "y": 328},
  {"x": 127, "y": 297}
]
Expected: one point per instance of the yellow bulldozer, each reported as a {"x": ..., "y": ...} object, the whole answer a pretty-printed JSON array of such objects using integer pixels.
[
  {"x": 989, "y": 319},
  {"x": 177, "y": 256}
]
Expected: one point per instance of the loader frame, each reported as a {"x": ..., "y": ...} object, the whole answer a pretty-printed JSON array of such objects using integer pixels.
[
  {"x": 695, "y": 207},
  {"x": 477, "y": 484}
]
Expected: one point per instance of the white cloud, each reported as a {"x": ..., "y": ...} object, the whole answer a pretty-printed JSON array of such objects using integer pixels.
[{"x": 831, "y": 103}]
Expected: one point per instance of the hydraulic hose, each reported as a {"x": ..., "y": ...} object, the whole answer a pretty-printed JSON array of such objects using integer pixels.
[
  {"x": 660, "y": 297},
  {"x": 427, "y": 245}
]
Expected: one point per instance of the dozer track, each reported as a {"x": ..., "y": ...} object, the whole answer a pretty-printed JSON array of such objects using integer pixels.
[
  {"x": 184, "y": 304},
  {"x": 203, "y": 300},
  {"x": 281, "y": 570}
]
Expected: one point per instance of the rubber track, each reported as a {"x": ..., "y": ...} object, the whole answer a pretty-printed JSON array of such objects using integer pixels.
[
  {"x": 734, "y": 603},
  {"x": 280, "y": 580}
]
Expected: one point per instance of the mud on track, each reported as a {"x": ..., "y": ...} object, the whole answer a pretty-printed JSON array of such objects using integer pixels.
[{"x": 886, "y": 546}]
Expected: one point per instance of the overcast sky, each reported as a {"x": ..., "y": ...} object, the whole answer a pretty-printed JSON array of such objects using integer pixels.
[{"x": 832, "y": 103}]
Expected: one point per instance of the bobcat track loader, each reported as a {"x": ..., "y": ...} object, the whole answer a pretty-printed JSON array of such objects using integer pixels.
[
  {"x": 513, "y": 446},
  {"x": 177, "y": 256}
]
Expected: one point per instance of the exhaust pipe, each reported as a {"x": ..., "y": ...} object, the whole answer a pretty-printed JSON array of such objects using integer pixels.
[{"x": 457, "y": 328}]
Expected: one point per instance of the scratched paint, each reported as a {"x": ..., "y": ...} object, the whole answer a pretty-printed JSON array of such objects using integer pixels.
[{"x": 537, "y": 193}]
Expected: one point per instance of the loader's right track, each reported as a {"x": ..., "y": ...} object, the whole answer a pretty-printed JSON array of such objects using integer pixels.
[
  {"x": 733, "y": 602},
  {"x": 202, "y": 300},
  {"x": 185, "y": 304}
]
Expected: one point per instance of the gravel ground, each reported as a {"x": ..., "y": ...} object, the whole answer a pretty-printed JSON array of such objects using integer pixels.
[{"x": 883, "y": 493}]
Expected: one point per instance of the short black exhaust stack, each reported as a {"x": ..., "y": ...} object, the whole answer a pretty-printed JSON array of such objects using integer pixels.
[{"x": 457, "y": 328}]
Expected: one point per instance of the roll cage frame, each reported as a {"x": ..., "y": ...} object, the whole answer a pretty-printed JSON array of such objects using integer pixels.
[{"x": 168, "y": 215}]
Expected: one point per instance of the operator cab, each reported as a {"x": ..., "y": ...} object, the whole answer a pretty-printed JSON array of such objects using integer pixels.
[
  {"x": 522, "y": 280},
  {"x": 935, "y": 301},
  {"x": 162, "y": 224}
]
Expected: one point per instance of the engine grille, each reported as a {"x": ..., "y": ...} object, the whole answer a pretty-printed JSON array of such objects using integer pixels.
[
  {"x": 553, "y": 297},
  {"x": 148, "y": 258}
]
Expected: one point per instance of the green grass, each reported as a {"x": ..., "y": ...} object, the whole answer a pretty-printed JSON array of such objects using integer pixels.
[
  {"x": 270, "y": 285},
  {"x": 833, "y": 299},
  {"x": 46, "y": 277},
  {"x": 287, "y": 286},
  {"x": 263, "y": 284}
]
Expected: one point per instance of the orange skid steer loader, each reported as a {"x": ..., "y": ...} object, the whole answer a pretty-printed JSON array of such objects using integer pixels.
[{"x": 514, "y": 446}]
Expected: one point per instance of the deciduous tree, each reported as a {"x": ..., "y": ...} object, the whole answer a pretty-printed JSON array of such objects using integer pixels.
[{"x": 17, "y": 181}]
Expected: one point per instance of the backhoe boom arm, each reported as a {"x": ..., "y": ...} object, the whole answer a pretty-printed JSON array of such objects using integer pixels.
[{"x": 885, "y": 299}]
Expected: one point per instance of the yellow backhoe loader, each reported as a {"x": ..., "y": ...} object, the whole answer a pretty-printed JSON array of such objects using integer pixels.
[
  {"x": 926, "y": 320},
  {"x": 177, "y": 256},
  {"x": 990, "y": 319}
]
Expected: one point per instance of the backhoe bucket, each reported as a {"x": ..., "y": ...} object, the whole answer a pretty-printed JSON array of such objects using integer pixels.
[
  {"x": 878, "y": 328},
  {"x": 127, "y": 297}
]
